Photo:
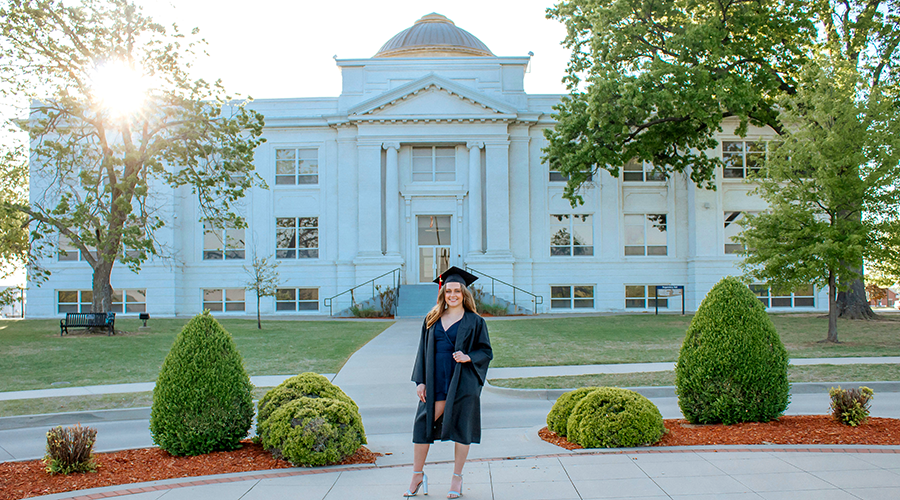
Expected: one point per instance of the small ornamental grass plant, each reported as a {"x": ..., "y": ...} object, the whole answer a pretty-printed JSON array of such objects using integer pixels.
[
  {"x": 732, "y": 366},
  {"x": 558, "y": 418},
  {"x": 203, "y": 396},
  {"x": 610, "y": 417},
  {"x": 851, "y": 406},
  {"x": 70, "y": 450}
]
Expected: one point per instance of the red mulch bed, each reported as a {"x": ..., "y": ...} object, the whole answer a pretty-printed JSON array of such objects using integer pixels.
[
  {"x": 29, "y": 479},
  {"x": 805, "y": 429}
]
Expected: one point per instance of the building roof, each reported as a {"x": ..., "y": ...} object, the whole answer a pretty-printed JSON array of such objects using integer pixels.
[{"x": 434, "y": 36}]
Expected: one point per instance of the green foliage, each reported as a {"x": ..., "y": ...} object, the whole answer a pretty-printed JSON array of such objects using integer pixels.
[
  {"x": 832, "y": 185},
  {"x": 365, "y": 312},
  {"x": 653, "y": 81},
  {"x": 851, "y": 406},
  {"x": 310, "y": 432},
  {"x": 558, "y": 418},
  {"x": 305, "y": 385},
  {"x": 14, "y": 235},
  {"x": 70, "y": 450},
  {"x": 492, "y": 309},
  {"x": 732, "y": 366},
  {"x": 202, "y": 401},
  {"x": 92, "y": 163},
  {"x": 609, "y": 417}
]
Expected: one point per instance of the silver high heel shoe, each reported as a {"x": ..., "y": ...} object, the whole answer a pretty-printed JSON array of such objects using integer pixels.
[
  {"x": 456, "y": 494},
  {"x": 422, "y": 484}
]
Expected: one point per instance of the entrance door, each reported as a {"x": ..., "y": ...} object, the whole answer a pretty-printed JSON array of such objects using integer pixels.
[{"x": 434, "y": 246}]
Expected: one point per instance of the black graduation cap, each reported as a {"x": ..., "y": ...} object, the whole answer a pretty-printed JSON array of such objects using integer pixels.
[{"x": 455, "y": 275}]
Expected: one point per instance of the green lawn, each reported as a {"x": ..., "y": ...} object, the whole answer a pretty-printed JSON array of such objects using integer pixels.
[
  {"x": 66, "y": 404},
  {"x": 635, "y": 338},
  {"x": 36, "y": 357},
  {"x": 807, "y": 373}
]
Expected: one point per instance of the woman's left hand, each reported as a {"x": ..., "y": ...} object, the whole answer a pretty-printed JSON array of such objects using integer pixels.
[{"x": 460, "y": 357}]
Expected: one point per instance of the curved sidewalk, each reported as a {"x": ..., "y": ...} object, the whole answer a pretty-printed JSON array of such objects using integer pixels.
[{"x": 513, "y": 462}]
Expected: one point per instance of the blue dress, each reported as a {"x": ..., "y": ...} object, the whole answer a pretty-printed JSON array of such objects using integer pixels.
[{"x": 444, "y": 347}]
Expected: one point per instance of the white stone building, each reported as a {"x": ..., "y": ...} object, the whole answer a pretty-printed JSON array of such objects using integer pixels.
[{"x": 429, "y": 157}]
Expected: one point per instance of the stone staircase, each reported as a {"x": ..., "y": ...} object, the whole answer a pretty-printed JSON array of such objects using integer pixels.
[{"x": 414, "y": 301}]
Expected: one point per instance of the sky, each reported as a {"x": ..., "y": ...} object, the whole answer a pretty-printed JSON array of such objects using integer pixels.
[{"x": 279, "y": 48}]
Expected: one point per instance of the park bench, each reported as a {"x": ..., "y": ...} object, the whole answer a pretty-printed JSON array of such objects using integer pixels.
[{"x": 88, "y": 320}]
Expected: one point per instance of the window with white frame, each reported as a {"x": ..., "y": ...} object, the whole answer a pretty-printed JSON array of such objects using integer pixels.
[
  {"x": 297, "y": 299},
  {"x": 571, "y": 297},
  {"x": 742, "y": 158},
  {"x": 296, "y": 166},
  {"x": 645, "y": 234},
  {"x": 643, "y": 297},
  {"x": 223, "y": 299},
  {"x": 733, "y": 228},
  {"x": 433, "y": 164},
  {"x": 557, "y": 176},
  {"x": 67, "y": 251},
  {"x": 221, "y": 244},
  {"x": 640, "y": 171},
  {"x": 571, "y": 235},
  {"x": 123, "y": 301},
  {"x": 803, "y": 296},
  {"x": 73, "y": 301},
  {"x": 297, "y": 237},
  {"x": 129, "y": 301}
]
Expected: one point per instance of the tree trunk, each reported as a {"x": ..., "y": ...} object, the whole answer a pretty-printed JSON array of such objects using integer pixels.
[
  {"x": 258, "y": 322},
  {"x": 832, "y": 309},
  {"x": 852, "y": 303},
  {"x": 102, "y": 296}
]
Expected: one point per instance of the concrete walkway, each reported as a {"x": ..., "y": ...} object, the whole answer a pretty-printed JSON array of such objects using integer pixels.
[{"x": 512, "y": 462}]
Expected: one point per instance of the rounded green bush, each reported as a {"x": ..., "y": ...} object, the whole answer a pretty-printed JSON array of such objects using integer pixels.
[
  {"x": 558, "y": 418},
  {"x": 609, "y": 417},
  {"x": 310, "y": 432},
  {"x": 202, "y": 401},
  {"x": 732, "y": 366},
  {"x": 306, "y": 385}
]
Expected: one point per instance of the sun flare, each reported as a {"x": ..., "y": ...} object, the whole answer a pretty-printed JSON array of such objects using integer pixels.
[{"x": 119, "y": 87}]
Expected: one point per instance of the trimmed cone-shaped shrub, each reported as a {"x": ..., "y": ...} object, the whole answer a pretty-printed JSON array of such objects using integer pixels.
[
  {"x": 610, "y": 417},
  {"x": 732, "y": 366},
  {"x": 203, "y": 397},
  {"x": 305, "y": 385},
  {"x": 310, "y": 432},
  {"x": 558, "y": 418}
]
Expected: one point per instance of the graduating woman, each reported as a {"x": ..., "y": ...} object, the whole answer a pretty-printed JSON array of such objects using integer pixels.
[{"x": 451, "y": 365}]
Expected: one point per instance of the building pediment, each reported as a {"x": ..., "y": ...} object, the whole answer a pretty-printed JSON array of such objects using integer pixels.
[{"x": 432, "y": 98}]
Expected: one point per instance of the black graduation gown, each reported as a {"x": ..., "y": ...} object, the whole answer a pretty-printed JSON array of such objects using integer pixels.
[{"x": 462, "y": 412}]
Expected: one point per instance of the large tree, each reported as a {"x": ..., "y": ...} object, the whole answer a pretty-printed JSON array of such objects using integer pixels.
[
  {"x": 654, "y": 80},
  {"x": 832, "y": 186},
  {"x": 116, "y": 124}
]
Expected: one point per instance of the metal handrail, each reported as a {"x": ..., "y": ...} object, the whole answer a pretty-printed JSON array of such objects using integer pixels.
[
  {"x": 329, "y": 301},
  {"x": 535, "y": 299}
]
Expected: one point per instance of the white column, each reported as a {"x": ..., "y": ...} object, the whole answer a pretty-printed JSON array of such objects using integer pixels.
[
  {"x": 475, "y": 208},
  {"x": 392, "y": 198},
  {"x": 347, "y": 199},
  {"x": 497, "y": 191},
  {"x": 369, "y": 218}
]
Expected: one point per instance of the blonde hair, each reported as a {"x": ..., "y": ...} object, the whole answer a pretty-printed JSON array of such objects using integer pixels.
[{"x": 435, "y": 313}]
